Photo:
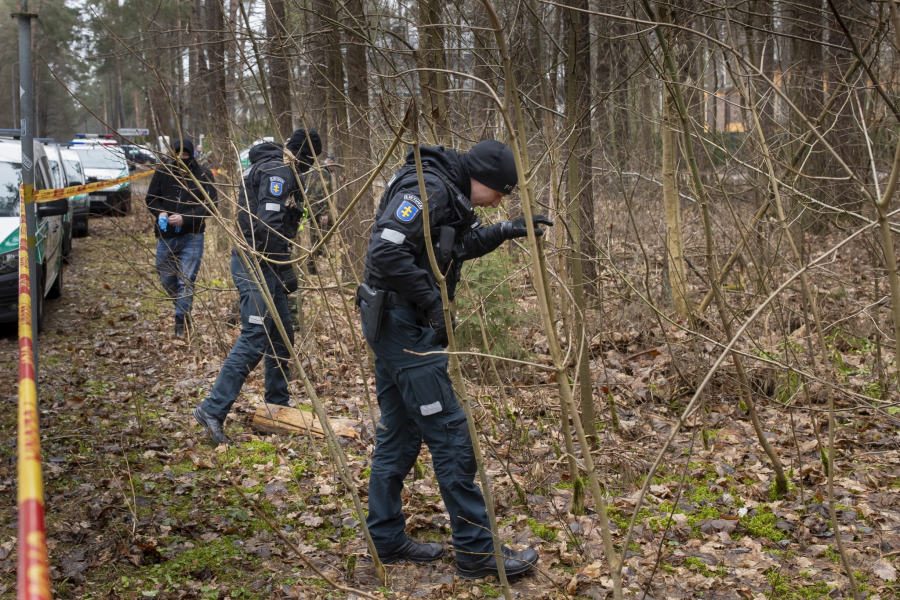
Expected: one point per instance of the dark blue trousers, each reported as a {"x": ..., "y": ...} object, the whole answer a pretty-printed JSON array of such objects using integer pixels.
[
  {"x": 418, "y": 404},
  {"x": 259, "y": 338},
  {"x": 178, "y": 262}
]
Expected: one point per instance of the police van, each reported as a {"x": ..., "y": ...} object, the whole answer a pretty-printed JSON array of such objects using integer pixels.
[{"x": 48, "y": 235}]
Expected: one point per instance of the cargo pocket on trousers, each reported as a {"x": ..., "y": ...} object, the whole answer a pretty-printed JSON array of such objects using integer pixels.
[
  {"x": 426, "y": 390},
  {"x": 461, "y": 443}
]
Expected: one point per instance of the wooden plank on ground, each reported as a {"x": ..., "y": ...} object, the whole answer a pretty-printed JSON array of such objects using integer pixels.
[{"x": 284, "y": 420}]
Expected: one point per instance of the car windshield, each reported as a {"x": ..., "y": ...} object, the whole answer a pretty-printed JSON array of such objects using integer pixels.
[
  {"x": 73, "y": 170},
  {"x": 102, "y": 157},
  {"x": 10, "y": 178}
]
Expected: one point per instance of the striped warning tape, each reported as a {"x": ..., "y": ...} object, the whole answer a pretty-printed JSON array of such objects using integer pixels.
[
  {"x": 59, "y": 193},
  {"x": 33, "y": 575}
]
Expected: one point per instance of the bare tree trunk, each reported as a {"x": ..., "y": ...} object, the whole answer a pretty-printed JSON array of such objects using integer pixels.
[
  {"x": 319, "y": 44},
  {"x": 120, "y": 103},
  {"x": 672, "y": 204},
  {"x": 220, "y": 126},
  {"x": 579, "y": 121},
  {"x": 342, "y": 135},
  {"x": 279, "y": 80},
  {"x": 196, "y": 48},
  {"x": 580, "y": 24},
  {"x": 432, "y": 82},
  {"x": 483, "y": 124},
  {"x": 360, "y": 148},
  {"x": 806, "y": 77},
  {"x": 233, "y": 60}
]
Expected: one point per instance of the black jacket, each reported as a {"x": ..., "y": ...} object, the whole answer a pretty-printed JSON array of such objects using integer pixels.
[
  {"x": 174, "y": 192},
  {"x": 397, "y": 259},
  {"x": 268, "y": 202}
]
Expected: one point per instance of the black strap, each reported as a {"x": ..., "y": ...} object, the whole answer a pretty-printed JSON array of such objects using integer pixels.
[
  {"x": 392, "y": 299},
  {"x": 395, "y": 300}
]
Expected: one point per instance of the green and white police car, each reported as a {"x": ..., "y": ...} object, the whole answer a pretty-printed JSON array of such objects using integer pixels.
[{"x": 49, "y": 234}]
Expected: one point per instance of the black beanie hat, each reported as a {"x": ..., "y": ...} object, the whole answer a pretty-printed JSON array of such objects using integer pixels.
[
  {"x": 492, "y": 163},
  {"x": 299, "y": 145}
]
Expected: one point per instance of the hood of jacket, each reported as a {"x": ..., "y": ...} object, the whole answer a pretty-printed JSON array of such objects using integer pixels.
[
  {"x": 265, "y": 152},
  {"x": 179, "y": 146},
  {"x": 447, "y": 161}
]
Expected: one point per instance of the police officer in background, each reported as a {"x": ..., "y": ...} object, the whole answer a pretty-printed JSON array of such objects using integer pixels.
[
  {"x": 269, "y": 214},
  {"x": 401, "y": 309}
]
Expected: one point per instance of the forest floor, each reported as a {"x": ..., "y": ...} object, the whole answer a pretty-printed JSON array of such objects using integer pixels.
[{"x": 139, "y": 504}]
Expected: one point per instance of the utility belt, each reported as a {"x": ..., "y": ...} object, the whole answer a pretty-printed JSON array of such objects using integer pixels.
[{"x": 377, "y": 301}]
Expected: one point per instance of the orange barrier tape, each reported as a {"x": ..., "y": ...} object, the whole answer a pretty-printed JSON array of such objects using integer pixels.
[
  {"x": 33, "y": 582},
  {"x": 59, "y": 193}
]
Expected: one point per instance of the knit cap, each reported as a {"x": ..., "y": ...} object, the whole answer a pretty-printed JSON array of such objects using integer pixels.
[
  {"x": 492, "y": 163},
  {"x": 299, "y": 145}
]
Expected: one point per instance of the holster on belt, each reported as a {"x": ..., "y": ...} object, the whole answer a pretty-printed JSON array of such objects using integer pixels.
[{"x": 371, "y": 312}]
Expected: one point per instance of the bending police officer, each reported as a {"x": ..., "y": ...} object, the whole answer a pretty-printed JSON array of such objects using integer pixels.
[
  {"x": 401, "y": 310},
  {"x": 269, "y": 214}
]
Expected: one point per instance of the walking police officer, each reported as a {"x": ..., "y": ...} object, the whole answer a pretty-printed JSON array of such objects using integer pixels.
[
  {"x": 269, "y": 213},
  {"x": 401, "y": 309}
]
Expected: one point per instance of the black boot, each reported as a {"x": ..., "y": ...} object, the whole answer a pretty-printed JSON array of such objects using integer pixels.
[
  {"x": 213, "y": 426},
  {"x": 183, "y": 324},
  {"x": 514, "y": 562},
  {"x": 413, "y": 552}
]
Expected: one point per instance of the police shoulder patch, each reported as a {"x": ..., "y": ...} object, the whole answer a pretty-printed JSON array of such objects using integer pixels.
[
  {"x": 413, "y": 198},
  {"x": 276, "y": 186},
  {"x": 407, "y": 211}
]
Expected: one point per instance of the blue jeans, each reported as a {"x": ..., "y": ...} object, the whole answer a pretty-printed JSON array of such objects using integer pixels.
[
  {"x": 259, "y": 338},
  {"x": 178, "y": 262},
  {"x": 418, "y": 404}
]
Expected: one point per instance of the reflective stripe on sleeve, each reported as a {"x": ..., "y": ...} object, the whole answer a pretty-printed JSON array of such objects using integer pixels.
[{"x": 392, "y": 235}]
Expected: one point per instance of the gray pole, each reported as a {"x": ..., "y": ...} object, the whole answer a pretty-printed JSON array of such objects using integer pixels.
[
  {"x": 26, "y": 111},
  {"x": 12, "y": 89}
]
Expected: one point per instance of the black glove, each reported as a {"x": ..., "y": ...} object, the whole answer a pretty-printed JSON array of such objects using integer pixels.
[
  {"x": 436, "y": 320},
  {"x": 288, "y": 278},
  {"x": 517, "y": 229}
]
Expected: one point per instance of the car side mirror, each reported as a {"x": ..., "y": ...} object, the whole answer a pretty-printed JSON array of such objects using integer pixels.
[
  {"x": 131, "y": 166},
  {"x": 53, "y": 208}
]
